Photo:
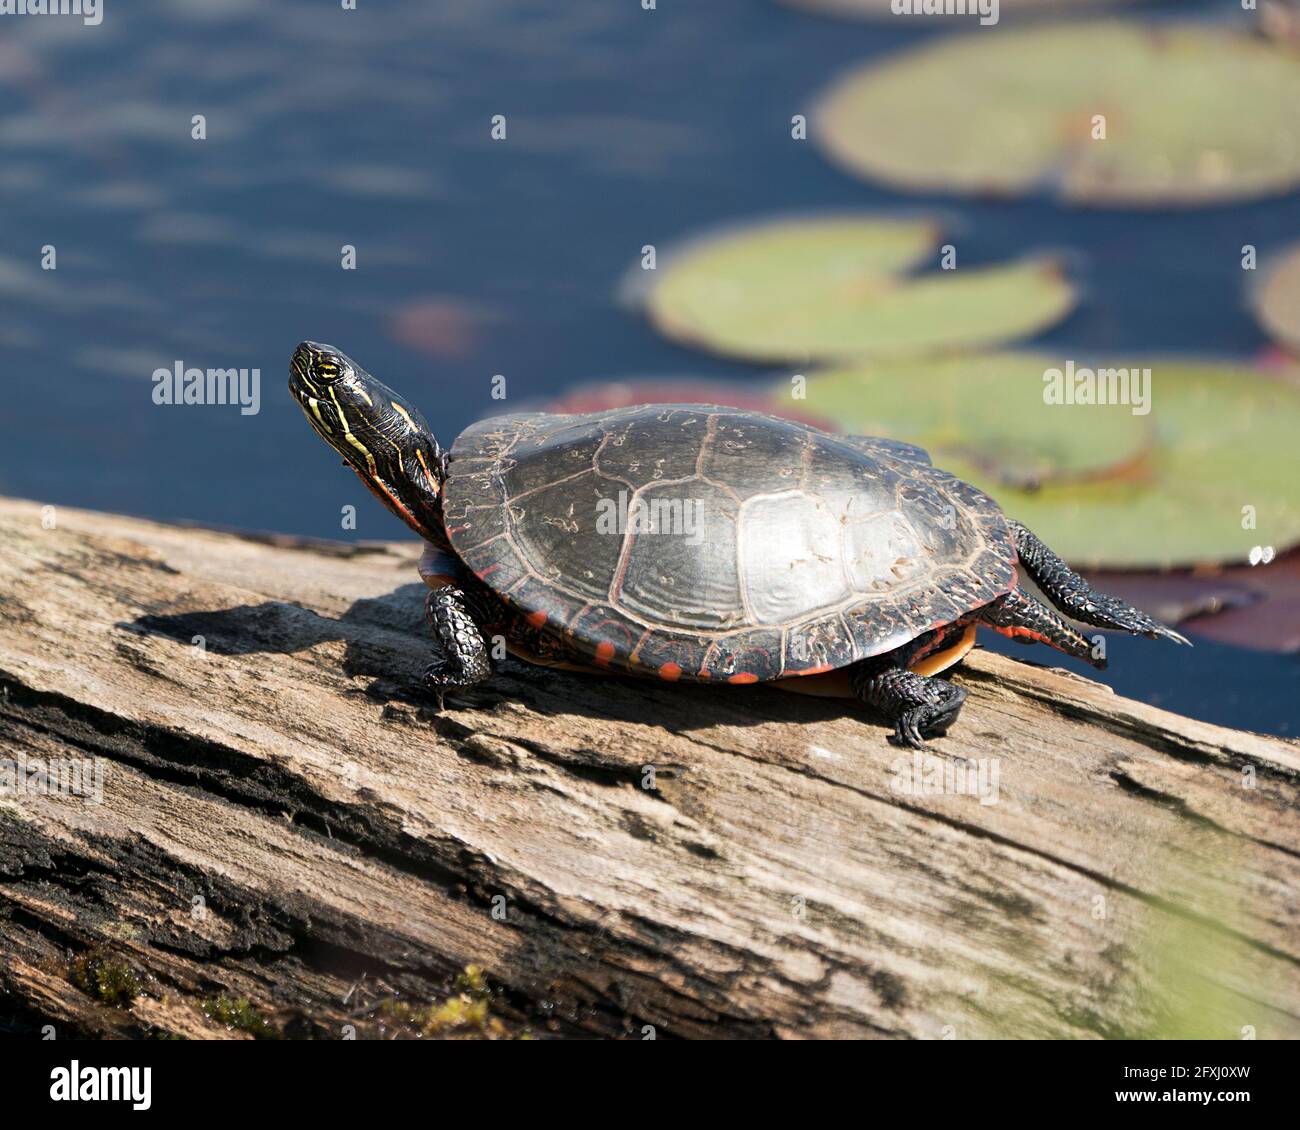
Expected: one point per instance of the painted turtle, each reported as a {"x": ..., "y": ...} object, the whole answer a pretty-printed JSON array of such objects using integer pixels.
[{"x": 695, "y": 542}]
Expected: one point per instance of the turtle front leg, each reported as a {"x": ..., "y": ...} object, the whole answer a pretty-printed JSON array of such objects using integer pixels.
[
  {"x": 1078, "y": 599},
  {"x": 920, "y": 706},
  {"x": 464, "y": 660}
]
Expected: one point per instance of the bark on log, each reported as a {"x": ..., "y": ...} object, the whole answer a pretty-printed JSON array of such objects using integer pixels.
[{"x": 267, "y": 750}]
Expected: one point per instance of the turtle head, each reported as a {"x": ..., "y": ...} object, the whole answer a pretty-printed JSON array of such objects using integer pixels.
[
  {"x": 381, "y": 437},
  {"x": 316, "y": 364}
]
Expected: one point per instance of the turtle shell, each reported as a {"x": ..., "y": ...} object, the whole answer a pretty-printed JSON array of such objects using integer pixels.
[{"x": 701, "y": 542}]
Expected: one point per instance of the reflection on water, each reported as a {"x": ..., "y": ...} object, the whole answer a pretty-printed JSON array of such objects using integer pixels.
[{"x": 474, "y": 257}]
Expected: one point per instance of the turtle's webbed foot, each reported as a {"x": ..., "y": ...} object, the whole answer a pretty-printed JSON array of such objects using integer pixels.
[
  {"x": 932, "y": 718},
  {"x": 1110, "y": 612},
  {"x": 1074, "y": 596},
  {"x": 457, "y": 671},
  {"x": 921, "y": 705},
  {"x": 446, "y": 674}
]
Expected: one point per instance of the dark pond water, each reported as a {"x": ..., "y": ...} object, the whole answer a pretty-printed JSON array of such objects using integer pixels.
[{"x": 370, "y": 128}]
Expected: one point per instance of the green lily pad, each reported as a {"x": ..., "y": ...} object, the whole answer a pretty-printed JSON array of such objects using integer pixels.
[
  {"x": 959, "y": 406},
  {"x": 834, "y": 288},
  {"x": 1194, "y": 115},
  {"x": 1277, "y": 301},
  {"x": 1219, "y": 439}
]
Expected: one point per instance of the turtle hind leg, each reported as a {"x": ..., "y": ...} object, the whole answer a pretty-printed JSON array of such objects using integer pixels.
[
  {"x": 1078, "y": 599},
  {"x": 464, "y": 658},
  {"x": 920, "y": 706},
  {"x": 1020, "y": 617}
]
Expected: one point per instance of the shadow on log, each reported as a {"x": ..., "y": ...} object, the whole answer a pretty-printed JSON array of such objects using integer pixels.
[{"x": 288, "y": 841}]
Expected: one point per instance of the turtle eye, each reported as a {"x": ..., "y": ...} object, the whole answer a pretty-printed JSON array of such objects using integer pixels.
[
  {"x": 327, "y": 369},
  {"x": 319, "y": 362}
]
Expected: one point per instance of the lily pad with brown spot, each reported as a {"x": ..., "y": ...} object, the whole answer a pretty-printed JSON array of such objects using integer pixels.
[
  {"x": 1193, "y": 115},
  {"x": 1206, "y": 476},
  {"x": 985, "y": 416}
]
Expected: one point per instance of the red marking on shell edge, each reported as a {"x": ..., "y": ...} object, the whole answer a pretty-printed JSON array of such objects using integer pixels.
[
  {"x": 604, "y": 652},
  {"x": 743, "y": 677},
  {"x": 483, "y": 576},
  {"x": 820, "y": 669},
  {"x": 537, "y": 619},
  {"x": 671, "y": 672}
]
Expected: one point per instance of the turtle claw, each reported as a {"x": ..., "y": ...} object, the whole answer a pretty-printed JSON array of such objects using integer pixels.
[
  {"x": 908, "y": 733},
  {"x": 1129, "y": 619},
  {"x": 1111, "y": 612},
  {"x": 1160, "y": 631},
  {"x": 441, "y": 676},
  {"x": 1074, "y": 596},
  {"x": 921, "y": 705},
  {"x": 932, "y": 717},
  {"x": 438, "y": 679}
]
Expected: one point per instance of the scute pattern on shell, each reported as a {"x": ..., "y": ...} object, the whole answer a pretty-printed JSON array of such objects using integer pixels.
[{"x": 813, "y": 550}]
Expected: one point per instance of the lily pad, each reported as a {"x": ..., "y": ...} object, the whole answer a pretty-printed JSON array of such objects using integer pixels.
[
  {"x": 1193, "y": 115},
  {"x": 1216, "y": 452},
  {"x": 1277, "y": 301},
  {"x": 835, "y": 287},
  {"x": 1272, "y": 621},
  {"x": 1175, "y": 596}
]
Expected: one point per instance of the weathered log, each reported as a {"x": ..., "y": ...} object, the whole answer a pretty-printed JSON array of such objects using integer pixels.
[{"x": 291, "y": 840}]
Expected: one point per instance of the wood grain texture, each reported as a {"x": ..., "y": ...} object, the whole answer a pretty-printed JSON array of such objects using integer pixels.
[{"x": 255, "y": 708}]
